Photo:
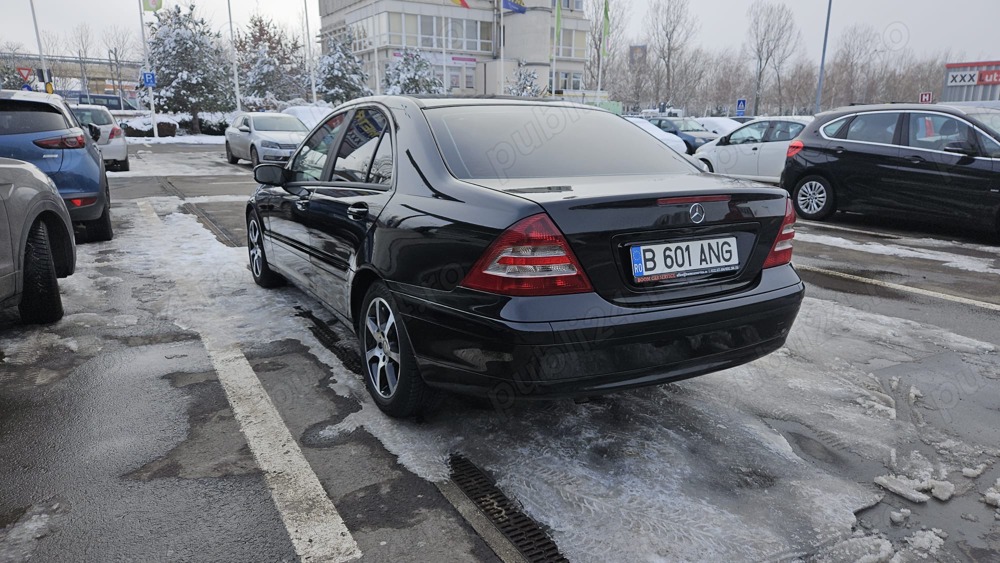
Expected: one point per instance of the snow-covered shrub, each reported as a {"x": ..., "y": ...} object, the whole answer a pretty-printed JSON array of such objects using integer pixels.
[
  {"x": 524, "y": 83},
  {"x": 412, "y": 74},
  {"x": 143, "y": 126}
]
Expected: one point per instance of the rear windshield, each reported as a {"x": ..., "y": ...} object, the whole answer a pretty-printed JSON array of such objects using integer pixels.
[
  {"x": 539, "y": 141},
  {"x": 17, "y": 117},
  {"x": 95, "y": 116}
]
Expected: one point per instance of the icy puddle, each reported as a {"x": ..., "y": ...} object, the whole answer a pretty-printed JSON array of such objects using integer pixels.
[{"x": 859, "y": 414}]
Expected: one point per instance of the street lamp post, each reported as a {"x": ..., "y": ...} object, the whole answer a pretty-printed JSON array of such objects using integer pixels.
[
  {"x": 309, "y": 62},
  {"x": 232, "y": 41},
  {"x": 822, "y": 59}
]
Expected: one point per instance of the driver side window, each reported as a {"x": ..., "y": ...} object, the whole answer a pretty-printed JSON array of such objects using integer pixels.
[
  {"x": 311, "y": 159},
  {"x": 753, "y": 133}
]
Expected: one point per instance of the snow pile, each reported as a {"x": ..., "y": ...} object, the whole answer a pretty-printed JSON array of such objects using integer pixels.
[
  {"x": 917, "y": 479},
  {"x": 145, "y": 122},
  {"x": 992, "y": 495}
]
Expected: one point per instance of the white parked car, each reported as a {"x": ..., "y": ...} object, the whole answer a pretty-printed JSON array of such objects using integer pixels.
[
  {"x": 309, "y": 115},
  {"x": 719, "y": 125},
  {"x": 263, "y": 137},
  {"x": 112, "y": 143},
  {"x": 669, "y": 139},
  {"x": 755, "y": 151}
]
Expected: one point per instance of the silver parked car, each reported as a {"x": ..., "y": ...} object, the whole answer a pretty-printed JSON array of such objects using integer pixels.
[
  {"x": 263, "y": 137},
  {"x": 36, "y": 242},
  {"x": 114, "y": 147}
]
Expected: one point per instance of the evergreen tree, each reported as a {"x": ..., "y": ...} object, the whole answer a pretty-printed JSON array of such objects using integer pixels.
[
  {"x": 412, "y": 74},
  {"x": 190, "y": 64},
  {"x": 340, "y": 74},
  {"x": 270, "y": 61},
  {"x": 524, "y": 82}
]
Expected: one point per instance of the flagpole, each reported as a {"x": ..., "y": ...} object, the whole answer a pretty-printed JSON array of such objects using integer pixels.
[
  {"x": 445, "y": 33},
  {"x": 149, "y": 89},
  {"x": 378, "y": 77},
  {"x": 503, "y": 39},
  {"x": 555, "y": 45}
]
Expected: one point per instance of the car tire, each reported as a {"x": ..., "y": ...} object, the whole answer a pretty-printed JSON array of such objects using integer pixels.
[
  {"x": 386, "y": 354},
  {"x": 40, "y": 299},
  {"x": 229, "y": 155},
  {"x": 254, "y": 159},
  {"x": 813, "y": 198},
  {"x": 123, "y": 165},
  {"x": 708, "y": 165},
  {"x": 262, "y": 274}
]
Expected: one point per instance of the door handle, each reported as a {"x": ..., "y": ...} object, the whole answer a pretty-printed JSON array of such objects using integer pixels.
[
  {"x": 302, "y": 204},
  {"x": 755, "y": 148},
  {"x": 915, "y": 159},
  {"x": 357, "y": 211},
  {"x": 838, "y": 150}
]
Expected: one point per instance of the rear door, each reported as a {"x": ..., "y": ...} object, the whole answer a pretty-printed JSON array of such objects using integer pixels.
[
  {"x": 342, "y": 213},
  {"x": 740, "y": 155},
  {"x": 285, "y": 210},
  {"x": 774, "y": 149},
  {"x": 22, "y": 123},
  {"x": 865, "y": 161},
  {"x": 7, "y": 254}
]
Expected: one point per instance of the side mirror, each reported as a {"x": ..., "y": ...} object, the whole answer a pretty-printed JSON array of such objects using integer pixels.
[
  {"x": 243, "y": 129},
  {"x": 723, "y": 141},
  {"x": 963, "y": 148},
  {"x": 270, "y": 174},
  {"x": 95, "y": 132}
]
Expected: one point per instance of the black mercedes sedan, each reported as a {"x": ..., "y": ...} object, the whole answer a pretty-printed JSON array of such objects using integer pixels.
[{"x": 522, "y": 249}]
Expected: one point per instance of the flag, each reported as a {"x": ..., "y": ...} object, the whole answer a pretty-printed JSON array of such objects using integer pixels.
[
  {"x": 151, "y": 5},
  {"x": 605, "y": 30},
  {"x": 461, "y": 3},
  {"x": 515, "y": 6},
  {"x": 558, "y": 21}
]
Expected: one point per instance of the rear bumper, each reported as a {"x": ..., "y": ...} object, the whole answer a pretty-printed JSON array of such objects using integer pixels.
[
  {"x": 116, "y": 151},
  {"x": 618, "y": 349},
  {"x": 89, "y": 212}
]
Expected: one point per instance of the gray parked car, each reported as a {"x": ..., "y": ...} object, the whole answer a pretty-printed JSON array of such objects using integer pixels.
[
  {"x": 36, "y": 242},
  {"x": 263, "y": 137}
]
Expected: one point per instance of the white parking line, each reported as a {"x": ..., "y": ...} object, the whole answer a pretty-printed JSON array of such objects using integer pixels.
[
  {"x": 820, "y": 225},
  {"x": 317, "y": 531},
  {"x": 904, "y": 288}
]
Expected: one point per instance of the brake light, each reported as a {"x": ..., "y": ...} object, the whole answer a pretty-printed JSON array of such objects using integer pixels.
[
  {"x": 64, "y": 142},
  {"x": 530, "y": 258},
  {"x": 781, "y": 252},
  {"x": 82, "y": 201},
  {"x": 115, "y": 132},
  {"x": 794, "y": 148}
]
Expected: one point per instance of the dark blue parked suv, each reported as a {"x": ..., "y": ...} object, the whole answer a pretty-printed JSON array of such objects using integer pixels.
[{"x": 41, "y": 129}]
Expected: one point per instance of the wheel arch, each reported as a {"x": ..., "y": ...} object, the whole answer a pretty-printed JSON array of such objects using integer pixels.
[
  {"x": 362, "y": 281},
  {"x": 61, "y": 243}
]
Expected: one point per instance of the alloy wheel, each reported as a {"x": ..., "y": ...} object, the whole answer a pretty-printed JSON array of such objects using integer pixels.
[
  {"x": 256, "y": 254},
  {"x": 812, "y": 197},
  {"x": 381, "y": 344}
]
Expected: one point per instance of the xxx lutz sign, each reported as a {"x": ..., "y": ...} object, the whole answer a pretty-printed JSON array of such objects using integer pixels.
[{"x": 975, "y": 78}]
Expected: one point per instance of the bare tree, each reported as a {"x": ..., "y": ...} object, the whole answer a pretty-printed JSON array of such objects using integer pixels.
[
  {"x": 727, "y": 79},
  {"x": 81, "y": 41},
  {"x": 771, "y": 28},
  {"x": 800, "y": 86},
  {"x": 53, "y": 44},
  {"x": 119, "y": 42},
  {"x": 619, "y": 13},
  {"x": 783, "y": 53},
  {"x": 670, "y": 28},
  {"x": 850, "y": 73}
]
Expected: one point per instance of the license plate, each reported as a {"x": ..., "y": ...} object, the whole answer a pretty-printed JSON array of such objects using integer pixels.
[{"x": 657, "y": 262}]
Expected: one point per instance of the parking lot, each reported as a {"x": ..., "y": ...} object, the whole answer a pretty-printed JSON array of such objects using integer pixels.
[{"x": 181, "y": 412}]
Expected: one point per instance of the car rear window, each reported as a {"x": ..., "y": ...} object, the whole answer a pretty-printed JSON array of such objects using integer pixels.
[
  {"x": 539, "y": 141},
  {"x": 18, "y": 116},
  {"x": 95, "y": 116}
]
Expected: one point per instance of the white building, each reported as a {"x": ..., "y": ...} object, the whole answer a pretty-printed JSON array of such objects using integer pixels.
[{"x": 461, "y": 42}]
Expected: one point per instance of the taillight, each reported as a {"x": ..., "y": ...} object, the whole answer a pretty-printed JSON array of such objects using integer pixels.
[
  {"x": 794, "y": 148},
  {"x": 115, "y": 132},
  {"x": 781, "y": 251},
  {"x": 74, "y": 141},
  {"x": 83, "y": 201},
  {"x": 530, "y": 258}
]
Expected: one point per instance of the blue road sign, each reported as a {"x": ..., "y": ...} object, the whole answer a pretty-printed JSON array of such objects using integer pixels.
[
  {"x": 26, "y": 87},
  {"x": 741, "y": 107},
  {"x": 148, "y": 80}
]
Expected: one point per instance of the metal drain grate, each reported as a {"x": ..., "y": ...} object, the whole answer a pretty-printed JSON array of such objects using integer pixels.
[{"x": 527, "y": 536}]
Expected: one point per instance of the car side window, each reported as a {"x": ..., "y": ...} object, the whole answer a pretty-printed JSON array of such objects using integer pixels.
[
  {"x": 309, "y": 162},
  {"x": 784, "y": 131},
  {"x": 932, "y": 131},
  {"x": 989, "y": 145},
  {"x": 358, "y": 151},
  {"x": 834, "y": 129},
  {"x": 873, "y": 128},
  {"x": 753, "y": 133}
]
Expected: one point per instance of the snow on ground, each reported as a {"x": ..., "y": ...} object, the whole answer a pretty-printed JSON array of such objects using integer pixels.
[
  {"x": 179, "y": 140},
  {"x": 950, "y": 259},
  {"x": 693, "y": 471},
  {"x": 149, "y": 163}
]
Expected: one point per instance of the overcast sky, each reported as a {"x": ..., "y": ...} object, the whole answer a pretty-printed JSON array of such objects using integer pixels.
[{"x": 966, "y": 27}]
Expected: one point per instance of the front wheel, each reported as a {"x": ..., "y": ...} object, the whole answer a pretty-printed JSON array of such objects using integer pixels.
[
  {"x": 708, "y": 165},
  {"x": 40, "y": 300},
  {"x": 813, "y": 198},
  {"x": 229, "y": 155},
  {"x": 254, "y": 159},
  {"x": 259, "y": 269},
  {"x": 391, "y": 373}
]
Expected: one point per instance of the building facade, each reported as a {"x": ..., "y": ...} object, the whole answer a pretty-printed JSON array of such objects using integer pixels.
[
  {"x": 464, "y": 44},
  {"x": 972, "y": 82}
]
